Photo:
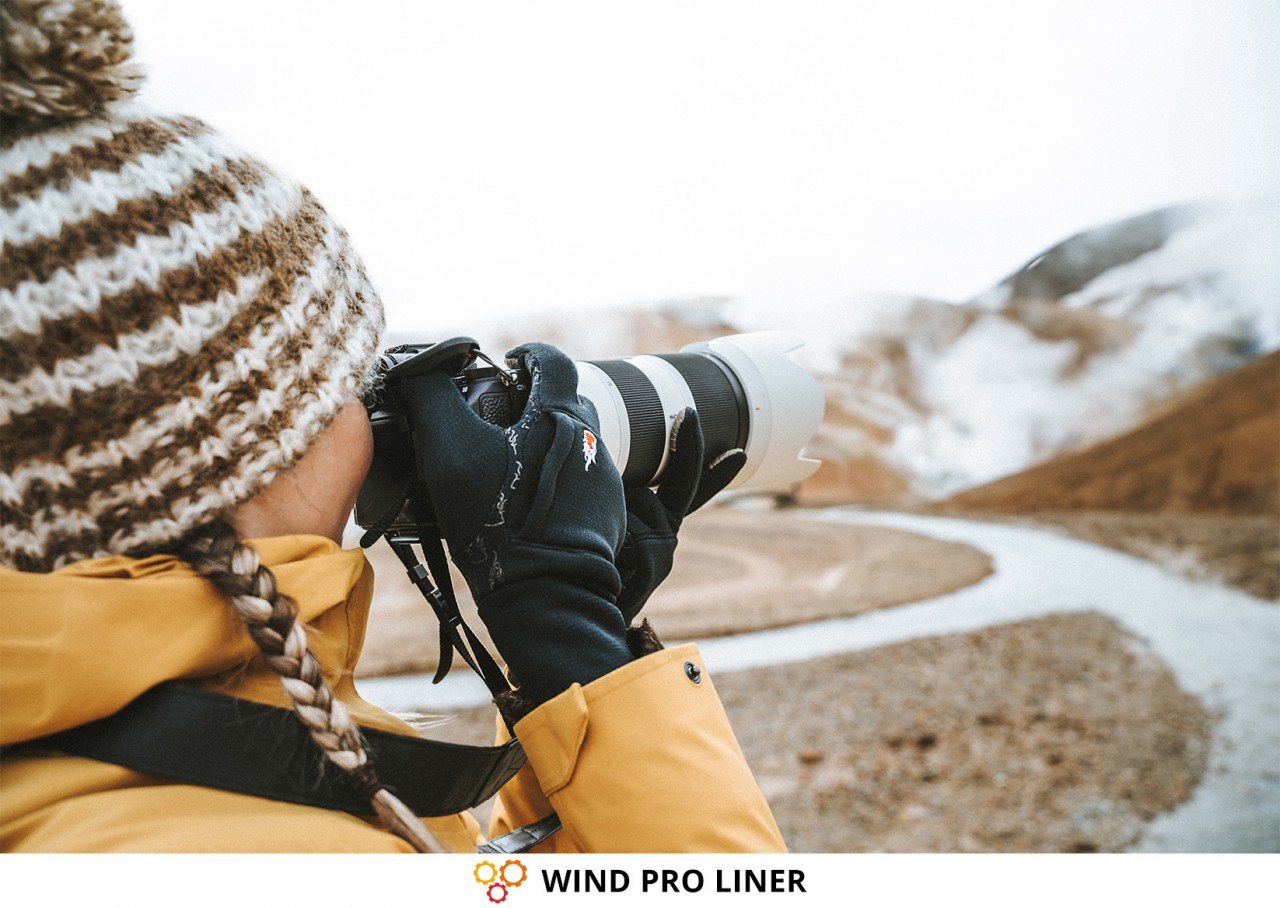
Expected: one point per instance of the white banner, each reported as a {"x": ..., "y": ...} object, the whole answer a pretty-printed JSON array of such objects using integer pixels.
[{"x": 527, "y": 881}]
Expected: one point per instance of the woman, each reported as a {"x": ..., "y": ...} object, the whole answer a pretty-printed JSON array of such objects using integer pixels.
[{"x": 186, "y": 338}]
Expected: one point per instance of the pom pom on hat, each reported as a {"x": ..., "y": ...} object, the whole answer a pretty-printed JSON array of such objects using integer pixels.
[{"x": 63, "y": 58}]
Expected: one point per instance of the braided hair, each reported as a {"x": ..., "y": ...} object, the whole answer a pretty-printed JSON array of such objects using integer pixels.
[{"x": 234, "y": 569}]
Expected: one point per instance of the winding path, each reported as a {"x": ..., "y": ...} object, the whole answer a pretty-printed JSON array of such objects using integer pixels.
[{"x": 1222, "y": 645}]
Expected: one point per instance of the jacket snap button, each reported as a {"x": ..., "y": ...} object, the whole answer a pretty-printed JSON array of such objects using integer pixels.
[{"x": 693, "y": 673}]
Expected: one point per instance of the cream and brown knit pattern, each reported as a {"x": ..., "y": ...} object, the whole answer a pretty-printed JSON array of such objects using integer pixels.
[{"x": 177, "y": 321}]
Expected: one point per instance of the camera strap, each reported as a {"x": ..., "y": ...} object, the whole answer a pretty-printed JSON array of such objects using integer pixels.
[
  {"x": 201, "y": 737},
  {"x": 436, "y": 585},
  {"x": 455, "y": 634}
]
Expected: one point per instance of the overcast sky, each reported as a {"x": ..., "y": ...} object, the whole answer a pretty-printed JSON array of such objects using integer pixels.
[{"x": 507, "y": 157}]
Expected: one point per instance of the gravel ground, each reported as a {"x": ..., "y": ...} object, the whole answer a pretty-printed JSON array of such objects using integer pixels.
[{"x": 1058, "y": 734}]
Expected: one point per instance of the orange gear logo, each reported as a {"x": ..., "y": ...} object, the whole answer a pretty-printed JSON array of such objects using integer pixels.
[
  {"x": 499, "y": 881},
  {"x": 524, "y": 872}
]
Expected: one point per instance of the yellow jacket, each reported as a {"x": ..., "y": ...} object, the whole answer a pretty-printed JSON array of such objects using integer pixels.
[{"x": 641, "y": 760}]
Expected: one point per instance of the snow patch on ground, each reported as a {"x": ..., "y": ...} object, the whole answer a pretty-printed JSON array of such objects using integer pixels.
[{"x": 1001, "y": 399}]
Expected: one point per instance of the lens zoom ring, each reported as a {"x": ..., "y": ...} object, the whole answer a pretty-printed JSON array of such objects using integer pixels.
[
  {"x": 721, "y": 403},
  {"x": 644, "y": 416}
]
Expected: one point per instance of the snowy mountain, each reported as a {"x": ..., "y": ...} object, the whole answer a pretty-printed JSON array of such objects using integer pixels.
[{"x": 1082, "y": 343}]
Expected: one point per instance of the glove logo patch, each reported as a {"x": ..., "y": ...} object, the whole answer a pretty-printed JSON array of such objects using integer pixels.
[{"x": 588, "y": 449}]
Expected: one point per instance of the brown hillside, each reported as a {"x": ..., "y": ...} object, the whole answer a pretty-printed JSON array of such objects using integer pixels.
[{"x": 1217, "y": 451}]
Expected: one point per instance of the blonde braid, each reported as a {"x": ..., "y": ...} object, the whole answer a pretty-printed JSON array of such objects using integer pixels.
[{"x": 271, "y": 618}]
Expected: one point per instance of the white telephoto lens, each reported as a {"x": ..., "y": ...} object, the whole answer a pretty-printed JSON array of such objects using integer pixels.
[{"x": 748, "y": 392}]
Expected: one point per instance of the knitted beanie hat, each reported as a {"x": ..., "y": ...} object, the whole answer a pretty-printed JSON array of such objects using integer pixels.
[{"x": 178, "y": 322}]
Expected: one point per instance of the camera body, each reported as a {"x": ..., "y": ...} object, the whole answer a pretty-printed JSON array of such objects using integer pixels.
[
  {"x": 496, "y": 395},
  {"x": 391, "y": 490},
  {"x": 747, "y": 390}
]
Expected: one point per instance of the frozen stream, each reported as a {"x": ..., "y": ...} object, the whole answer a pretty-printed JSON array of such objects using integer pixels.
[{"x": 1221, "y": 644}]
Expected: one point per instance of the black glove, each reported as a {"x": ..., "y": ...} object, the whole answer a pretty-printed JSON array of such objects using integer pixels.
[
  {"x": 533, "y": 515},
  {"x": 654, "y": 516}
]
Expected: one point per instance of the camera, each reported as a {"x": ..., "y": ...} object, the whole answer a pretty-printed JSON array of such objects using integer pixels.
[{"x": 748, "y": 391}]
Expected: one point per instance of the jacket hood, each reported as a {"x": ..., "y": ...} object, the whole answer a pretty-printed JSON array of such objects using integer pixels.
[{"x": 79, "y": 643}]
